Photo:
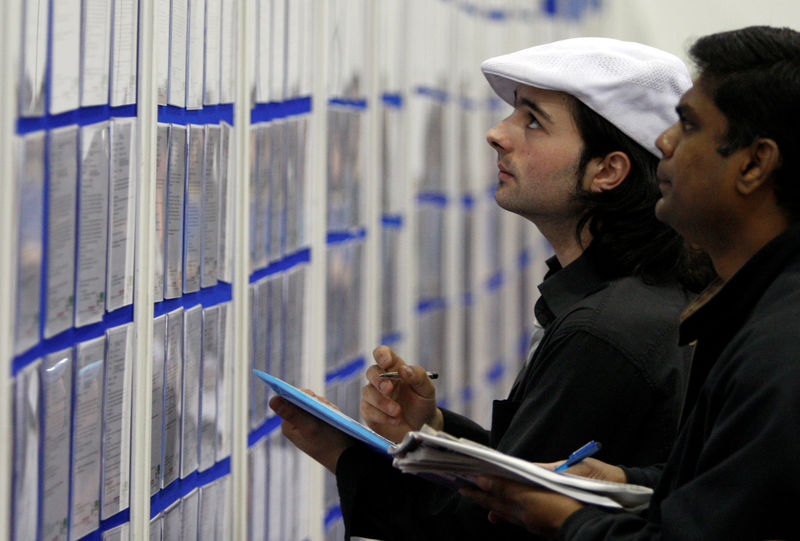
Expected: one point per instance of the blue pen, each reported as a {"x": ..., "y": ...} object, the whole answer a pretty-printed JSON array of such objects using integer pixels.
[{"x": 587, "y": 450}]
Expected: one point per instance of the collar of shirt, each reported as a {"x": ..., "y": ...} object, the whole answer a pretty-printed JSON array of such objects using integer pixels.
[
  {"x": 564, "y": 286},
  {"x": 722, "y": 308}
]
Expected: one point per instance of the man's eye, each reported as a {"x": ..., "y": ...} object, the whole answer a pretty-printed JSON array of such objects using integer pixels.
[{"x": 533, "y": 123}]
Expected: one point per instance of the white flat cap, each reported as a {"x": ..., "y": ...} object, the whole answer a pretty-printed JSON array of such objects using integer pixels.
[{"x": 633, "y": 86}]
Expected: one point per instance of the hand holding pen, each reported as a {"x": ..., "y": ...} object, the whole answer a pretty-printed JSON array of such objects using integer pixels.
[{"x": 586, "y": 451}]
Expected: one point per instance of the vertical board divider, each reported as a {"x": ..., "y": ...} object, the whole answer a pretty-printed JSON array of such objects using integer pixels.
[
  {"x": 241, "y": 268},
  {"x": 143, "y": 301},
  {"x": 9, "y": 43}
]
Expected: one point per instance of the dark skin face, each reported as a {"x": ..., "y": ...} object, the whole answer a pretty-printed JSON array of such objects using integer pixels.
[{"x": 723, "y": 203}]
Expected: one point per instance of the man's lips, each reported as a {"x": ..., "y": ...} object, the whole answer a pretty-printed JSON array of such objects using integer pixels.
[{"x": 503, "y": 173}]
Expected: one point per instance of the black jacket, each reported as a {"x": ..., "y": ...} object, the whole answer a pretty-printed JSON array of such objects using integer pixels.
[
  {"x": 608, "y": 368},
  {"x": 735, "y": 468}
]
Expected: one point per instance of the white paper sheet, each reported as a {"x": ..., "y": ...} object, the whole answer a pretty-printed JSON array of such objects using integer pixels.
[
  {"x": 29, "y": 202},
  {"x": 208, "y": 397},
  {"x": 260, "y": 196},
  {"x": 277, "y": 78},
  {"x": 26, "y": 452},
  {"x": 257, "y": 483},
  {"x": 210, "y": 219},
  {"x": 194, "y": 65},
  {"x": 263, "y": 56},
  {"x": 157, "y": 402},
  {"x": 65, "y": 68},
  {"x": 228, "y": 52},
  {"x": 224, "y": 383},
  {"x": 124, "y": 52},
  {"x": 208, "y": 512},
  {"x": 277, "y": 190},
  {"x": 178, "y": 33},
  {"x": 156, "y": 526},
  {"x": 190, "y": 410},
  {"x": 63, "y": 154},
  {"x": 34, "y": 57},
  {"x": 115, "y": 477},
  {"x": 56, "y": 377},
  {"x": 259, "y": 315},
  {"x": 212, "y": 51},
  {"x": 160, "y": 212},
  {"x": 173, "y": 376},
  {"x": 193, "y": 208},
  {"x": 86, "y": 437},
  {"x": 95, "y": 51},
  {"x": 295, "y": 14},
  {"x": 224, "y": 515},
  {"x": 92, "y": 225},
  {"x": 190, "y": 511},
  {"x": 173, "y": 522},
  {"x": 162, "y": 30},
  {"x": 174, "y": 226},
  {"x": 227, "y": 159},
  {"x": 121, "y": 214},
  {"x": 118, "y": 533}
]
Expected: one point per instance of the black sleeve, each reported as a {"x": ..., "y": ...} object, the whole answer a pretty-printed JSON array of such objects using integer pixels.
[
  {"x": 647, "y": 477},
  {"x": 462, "y": 427},
  {"x": 738, "y": 458},
  {"x": 582, "y": 387}
]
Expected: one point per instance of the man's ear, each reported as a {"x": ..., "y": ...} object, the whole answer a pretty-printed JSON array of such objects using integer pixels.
[
  {"x": 763, "y": 158},
  {"x": 607, "y": 173}
]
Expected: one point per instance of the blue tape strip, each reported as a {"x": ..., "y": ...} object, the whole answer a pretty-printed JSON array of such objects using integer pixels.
[
  {"x": 290, "y": 261},
  {"x": 392, "y": 221},
  {"x": 208, "y": 296},
  {"x": 496, "y": 15},
  {"x": 264, "y": 112},
  {"x": 181, "y": 487},
  {"x": 72, "y": 336},
  {"x": 467, "y": 201},
  {"x": 210, "y": 114},
  {"x": 340, "y": 237},
  {"x": 81, "y": 117},
  {"x": 333, "y": 514},
  {"x": 466, "y": 394},
  {"x": 346, "y": 370},
  {"x": 524, "y": 259},
  {"x": 266, "y": 428},
  {"x": 495, "y": 372},
  {"x": 428, "y": 305},
  {"x": 394, "y": 101},
  {"x": 468, "y": 298},
  {"x": 495, "y": 281},
  {"x": 435, "y": 94},
  {"x": 432, "y": 198},
  {"x": 350, "y": 103},
  {"x": 391, "y": 338},
  {"x": 550, "y": 7}
]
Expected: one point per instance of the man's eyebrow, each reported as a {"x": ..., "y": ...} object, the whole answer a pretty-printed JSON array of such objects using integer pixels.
[{"x": 532, "y": 105}]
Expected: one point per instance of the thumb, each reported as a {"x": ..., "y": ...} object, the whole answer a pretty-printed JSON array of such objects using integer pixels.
[{"x": 418, "y": 380}]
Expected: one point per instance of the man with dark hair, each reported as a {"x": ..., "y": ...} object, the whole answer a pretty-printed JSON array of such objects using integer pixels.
[
  {"x": 728, "y": 183},
  {"x": 575, "y": 157}
]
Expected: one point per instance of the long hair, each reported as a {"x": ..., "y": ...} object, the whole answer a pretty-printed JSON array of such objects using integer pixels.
[
  {"x": 627, "y": 238},
  {"x": 754, "y": 78}
]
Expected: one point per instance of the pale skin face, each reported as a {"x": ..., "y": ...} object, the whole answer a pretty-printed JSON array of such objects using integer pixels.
[{"x": 538, "y": 155}]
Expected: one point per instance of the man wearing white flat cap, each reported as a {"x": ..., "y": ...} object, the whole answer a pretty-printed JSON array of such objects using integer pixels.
[{"x": 577, "y": 158}]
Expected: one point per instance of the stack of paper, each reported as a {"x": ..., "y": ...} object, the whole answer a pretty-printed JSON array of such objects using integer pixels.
[{"x": 457, "y": 461}]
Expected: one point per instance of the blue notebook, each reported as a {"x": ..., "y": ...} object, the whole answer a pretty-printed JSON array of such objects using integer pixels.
[{"x": 332, "y": 416}]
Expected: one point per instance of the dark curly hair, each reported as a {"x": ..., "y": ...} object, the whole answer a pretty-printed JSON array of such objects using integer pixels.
[{"x": 627, "y": 238}]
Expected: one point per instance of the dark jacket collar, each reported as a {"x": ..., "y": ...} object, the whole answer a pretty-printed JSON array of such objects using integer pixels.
[
  {"x": 564, "y": 286},
  {"x": 722, "y": 308}
]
